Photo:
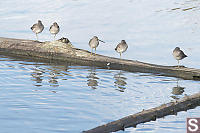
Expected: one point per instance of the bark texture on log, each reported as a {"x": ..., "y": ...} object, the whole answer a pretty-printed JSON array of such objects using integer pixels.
[
  {"x": 65, "y": 52},
  {"x": 184, "y": 104}
]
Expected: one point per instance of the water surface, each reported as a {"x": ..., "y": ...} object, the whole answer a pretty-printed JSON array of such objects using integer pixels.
[{"x": 45, "y": 97}]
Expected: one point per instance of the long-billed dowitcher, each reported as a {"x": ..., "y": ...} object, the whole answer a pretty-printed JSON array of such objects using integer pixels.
[
  {"x": 121, "y": 47},
  {"x": 94, "y": 42},
  {"x": 178, "y": 54},
  {"x": 37, "y": 28},
  {"x": 54, "y": 29}
]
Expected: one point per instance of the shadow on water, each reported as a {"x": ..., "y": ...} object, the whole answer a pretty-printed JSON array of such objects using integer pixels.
[
  {"x": 52, "y": 74},
  {"x": 92, "y": 78},
  {"x": 177, "y": 91},
  {"x": 120, "y": 81},
  {"x": 40, "y": 74},
  {"x": 37, "y": 76}
]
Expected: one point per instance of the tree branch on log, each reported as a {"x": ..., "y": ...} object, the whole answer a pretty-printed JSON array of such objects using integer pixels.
[
  {"x": 184, "y": 104},
  {"x": 64, "y": 51}
]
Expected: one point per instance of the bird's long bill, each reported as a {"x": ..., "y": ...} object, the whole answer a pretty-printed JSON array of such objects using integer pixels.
[{"x": 101, "y": 41}]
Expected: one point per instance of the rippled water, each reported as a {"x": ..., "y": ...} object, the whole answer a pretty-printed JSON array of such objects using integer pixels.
[
  {"x": 44, "y": 97},
  {"x": 38, "y": 96}
]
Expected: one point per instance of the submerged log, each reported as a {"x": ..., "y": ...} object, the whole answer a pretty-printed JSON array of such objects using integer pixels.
[
  {"x": 62, "y": 50},
  {"x": 184, "y": 104}
]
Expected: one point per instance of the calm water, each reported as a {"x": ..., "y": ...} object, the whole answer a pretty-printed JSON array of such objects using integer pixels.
[{"x": 50, "y": 98}]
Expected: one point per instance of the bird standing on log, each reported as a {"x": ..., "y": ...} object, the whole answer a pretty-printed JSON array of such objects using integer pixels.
[
  {"x": 121, "y": 47},
  {"x": 54, "y": 29},
  {"x": 94, "y": 43},
  {"x": 37, "y": 28},
  {"x": 178, "y": 54}
]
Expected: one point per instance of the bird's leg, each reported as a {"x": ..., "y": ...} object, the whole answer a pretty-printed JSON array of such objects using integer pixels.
[
  {"x": 120, "y": 55},
  {"x": 91, "y": 50},
  {"x": 54, "y": 37},
  {"x": 178, "y": 63},
  {"x": 95, "y": 51},
  {"x": 37, "y": 36}
]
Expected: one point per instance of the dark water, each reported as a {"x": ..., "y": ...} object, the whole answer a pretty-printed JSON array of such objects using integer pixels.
[{"x": 50, "y": 98}]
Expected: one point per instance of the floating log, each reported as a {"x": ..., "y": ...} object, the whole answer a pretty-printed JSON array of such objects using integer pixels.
[
  {"x": 184, "y": 104},
  {"x": 62, "y": 50}
]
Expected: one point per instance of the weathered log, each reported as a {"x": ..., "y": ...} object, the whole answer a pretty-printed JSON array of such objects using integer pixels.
[
  {"x": 65, "y": 52},
  {"x": 184, "y": 104}
]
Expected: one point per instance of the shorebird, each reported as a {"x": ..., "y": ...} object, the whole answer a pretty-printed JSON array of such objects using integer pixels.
[
  {"x": 94, "y": 43},
  {"x": 54, "y": 29},
  {"x": 121, "y": 47},
  {"x": 37, "y": 28},
  {"x": 178, "y": 54}
]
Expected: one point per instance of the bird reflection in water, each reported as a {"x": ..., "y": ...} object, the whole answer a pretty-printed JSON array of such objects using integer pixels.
[
  {"x": 51, "y": 74},
  {"x": 53, "y": 80},
  {"x": 54, "y": 74},
  {"x": 177, "y": 91},
  {"x": 120, "y": 82},
  {"x": 92, "y": 78},
  {"x": 37, "y": 76}
]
